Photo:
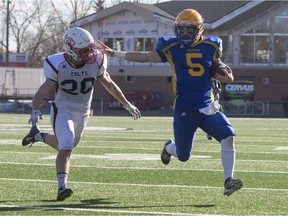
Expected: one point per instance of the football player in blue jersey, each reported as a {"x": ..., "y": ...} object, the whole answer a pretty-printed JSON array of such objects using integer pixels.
[{"x": 191, "y": 55}]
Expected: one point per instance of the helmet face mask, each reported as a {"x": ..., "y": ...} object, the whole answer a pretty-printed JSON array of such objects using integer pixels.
[
  {"x": 79, "y": 45},
  {"x": 189, "y": 26},
  {"x": 188, "y": 32},
  {"x": 85, "y": 55}
]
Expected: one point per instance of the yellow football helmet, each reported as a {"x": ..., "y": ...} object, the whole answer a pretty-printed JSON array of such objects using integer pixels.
[{"x": 189, "y": 26}]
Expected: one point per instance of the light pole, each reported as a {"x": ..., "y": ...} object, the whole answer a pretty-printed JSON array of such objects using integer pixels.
[{"x": 7, "y": 31}]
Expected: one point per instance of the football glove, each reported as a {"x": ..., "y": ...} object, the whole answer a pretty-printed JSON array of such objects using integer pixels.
[
  {"x": 36, "y": 115},
  {"x": 135, "y": 113},
  {"x": 216, "y": 86}
]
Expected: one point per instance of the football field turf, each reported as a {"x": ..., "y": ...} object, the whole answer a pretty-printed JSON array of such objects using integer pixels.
[{"x": 116, "y": 170}]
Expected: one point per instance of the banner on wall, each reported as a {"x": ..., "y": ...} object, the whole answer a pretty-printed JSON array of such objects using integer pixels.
[
  {"x": 241, "y": 89},
  {"x": 15, "y": 59}
]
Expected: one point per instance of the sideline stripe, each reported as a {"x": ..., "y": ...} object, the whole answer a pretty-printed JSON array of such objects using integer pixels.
[
  {"x": 147, "y": 168},
  {"x": 141, "y": 185},
  {"x": 103, "y": 210}
]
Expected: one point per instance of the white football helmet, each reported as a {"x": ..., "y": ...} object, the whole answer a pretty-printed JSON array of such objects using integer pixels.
[{"x": 79, "y": 44}]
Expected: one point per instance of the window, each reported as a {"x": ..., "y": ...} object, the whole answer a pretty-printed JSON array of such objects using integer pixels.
[
  {"x": 281, "y": 50},
  {"x": 115, "y": 43},
  {"x": 227, "y": 43},
  {"x": 262, "y": 28},
  {"x": 149, "y": 44},
  {"x": 144, "y": 44},
  {"x": 108, "y": 42},
  {"x": 280, "y": 39},
  {"x": 262, "y": 49},
  {"x": 247, "y": 49},
  {"x": 118, "y": 44},
  {"x": 130, "y": 79},
  {"x": 256, "y": 44},
  {"x": 281, "y": 24},
  {"x": 139, "y": 44}
]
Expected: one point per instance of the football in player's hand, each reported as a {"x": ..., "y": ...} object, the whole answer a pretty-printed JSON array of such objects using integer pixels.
[{"x": 217, "y": 68}]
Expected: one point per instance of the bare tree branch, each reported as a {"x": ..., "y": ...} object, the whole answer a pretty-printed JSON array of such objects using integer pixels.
[
  {"x": 20, "y": 26},
  {"x": 37, "y": 26}
]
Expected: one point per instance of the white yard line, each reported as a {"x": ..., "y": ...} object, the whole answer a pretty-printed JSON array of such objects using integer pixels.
[
  {"x": 283, "y": 150},
  {"x": 107, "y": 156},
  {"x": 146, "y": 168},
  {"x": 140, "y": 185}
]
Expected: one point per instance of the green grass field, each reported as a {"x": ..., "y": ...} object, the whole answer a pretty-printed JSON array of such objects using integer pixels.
[{"x": 116, "y": 170}]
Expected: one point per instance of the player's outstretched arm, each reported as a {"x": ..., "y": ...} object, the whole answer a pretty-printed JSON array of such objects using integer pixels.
[
  {"x": 103, "y": 48},
  {"x": 114, "y": 90},
  {"x": 135, "y": 56}
]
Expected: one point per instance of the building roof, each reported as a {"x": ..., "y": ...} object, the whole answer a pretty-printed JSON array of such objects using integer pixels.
[
  {"x": 146, "y": 10},
  {"x": 218, "y": 15},
  {"x": 210, "y": 10}
]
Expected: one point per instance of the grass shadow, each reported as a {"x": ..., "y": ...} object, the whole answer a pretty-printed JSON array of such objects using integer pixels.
[{"x": 100, "y": 203}]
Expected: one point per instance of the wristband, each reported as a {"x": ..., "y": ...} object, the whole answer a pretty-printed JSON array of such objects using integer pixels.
[
  {"x": 120, "y": 54},
  {"x": 127, "y": 106}
]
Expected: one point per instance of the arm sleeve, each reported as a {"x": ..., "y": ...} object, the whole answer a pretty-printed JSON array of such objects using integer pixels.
[
  {"x": 219, "y": 49},
  {"x": 102, "y": 64},
  {"x": 159, "y": 49},
  {"x": 50, "y": 72}
]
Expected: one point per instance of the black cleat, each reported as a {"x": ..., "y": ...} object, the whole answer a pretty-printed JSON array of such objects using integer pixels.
[
  {"x": 165, "y": 156},
  {"x": 30, "y": 137},
  {"x": 64, "y": 193},
  {"x": 231, "y": 185}
]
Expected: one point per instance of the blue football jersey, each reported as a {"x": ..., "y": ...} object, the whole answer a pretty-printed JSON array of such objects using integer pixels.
[{"x": 191, "y": 66}]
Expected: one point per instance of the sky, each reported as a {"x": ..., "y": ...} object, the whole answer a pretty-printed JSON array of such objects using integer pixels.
[{"x": 108, "y": 3}]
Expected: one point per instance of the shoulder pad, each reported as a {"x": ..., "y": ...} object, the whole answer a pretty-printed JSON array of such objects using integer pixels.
[
  {"x": 164, "y": 41},
  {"x": 214, "y": 39}
]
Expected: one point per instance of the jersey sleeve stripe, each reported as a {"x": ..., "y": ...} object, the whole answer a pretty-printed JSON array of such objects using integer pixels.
[
  {"x": 102, "y": 61},
  {"x": 51, "y": 65}
]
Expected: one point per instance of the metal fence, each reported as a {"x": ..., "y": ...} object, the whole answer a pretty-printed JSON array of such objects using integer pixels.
[{"x": 248, "y": 108}]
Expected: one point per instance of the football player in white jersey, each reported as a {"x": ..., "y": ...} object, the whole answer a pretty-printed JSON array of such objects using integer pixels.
[{"x": 70, "y": 76}]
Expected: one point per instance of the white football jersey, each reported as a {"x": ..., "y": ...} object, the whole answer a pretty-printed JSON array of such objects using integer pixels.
[{"x": 75, "y": 85}]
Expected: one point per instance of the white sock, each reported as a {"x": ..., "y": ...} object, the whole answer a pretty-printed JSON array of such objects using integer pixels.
[
  {"x": 228, "y": 156},
  {"x": 38, "y": 137},
  {"x": 171, "y": 149},
  {"x": 62, "y": 179}
]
